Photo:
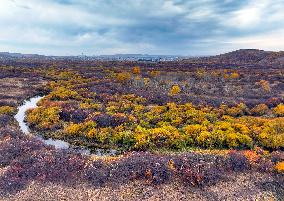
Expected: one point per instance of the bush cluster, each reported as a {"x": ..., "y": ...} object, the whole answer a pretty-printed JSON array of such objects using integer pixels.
[
  {"x": 79, "y": 108},
  {"x": 7, "y": 110}
]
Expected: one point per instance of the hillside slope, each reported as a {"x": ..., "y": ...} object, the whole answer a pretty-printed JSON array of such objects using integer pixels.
[{"x": 245, "y": 56}]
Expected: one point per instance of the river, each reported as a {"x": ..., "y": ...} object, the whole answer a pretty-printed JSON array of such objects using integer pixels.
[
  {"x": 58, "y": 144},
  {"x": 20, "y": 117}
]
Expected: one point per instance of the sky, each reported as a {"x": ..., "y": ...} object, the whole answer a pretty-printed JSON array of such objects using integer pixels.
[{"x": 172, "y": 27}]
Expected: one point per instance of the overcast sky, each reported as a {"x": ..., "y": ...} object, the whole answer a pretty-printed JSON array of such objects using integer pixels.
[{"x": 179, "y": 27}]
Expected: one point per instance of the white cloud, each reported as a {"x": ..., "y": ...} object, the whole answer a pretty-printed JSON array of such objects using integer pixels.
[
  {"x": 255, "y": 14},
  {"x": 169, "y": 7},
  {"x": 273, "y": 41},
  {"x": 247, "y": 17}
]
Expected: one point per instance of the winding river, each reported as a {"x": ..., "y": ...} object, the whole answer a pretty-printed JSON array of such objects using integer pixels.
[
  {"x": 58, "y": 144},
  {"x": 20, "y": 117}
]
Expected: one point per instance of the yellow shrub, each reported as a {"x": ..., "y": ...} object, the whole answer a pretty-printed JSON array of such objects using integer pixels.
[
  {"x": 66, "y": 75},
  {"x": 235, "y": 111},
  {"x": 90, "y": 106},
  {"x": 123, "y": 77},
  {"x": 200, "y": 73},
  {"x": 74, "y": 129},
  {"x": 238, "y": 110},
  {"x": 232, "y": 140},
  {"x": 171, "y": 165},
  {"x": 241, "y": 128},
  {"x": 279, "y": 110},
  {"x": 92, "y": 133},
  {"x": 235, "y": 75},
  {"x": 82, "y": 129},
  {"x": 270, "y": 140},
  {"x": 63, "y": 93},
  {"x": 44, "y": 118},
  {"x": 272, "y": 134},
  {"x": 174, "y": 90},
  {"x": 224, "y": 126},
  {"x": 245, "y": 141},
  {"x": 6, "y": 110},
  {"x": 265, "y": 85},
  {"x": 226, "y": 76},
  {"x": 103, "y": 134},
  {"x": 167, "y": 136},
  {"x": 142, "y": 138},
  {"x": 204, "y": 139},
  {"x": 146, "y": 81},
  {"x": 194, "y": 130}
]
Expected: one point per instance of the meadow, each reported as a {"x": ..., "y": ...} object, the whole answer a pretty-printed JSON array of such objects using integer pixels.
[{"x": 191, "y": 125}]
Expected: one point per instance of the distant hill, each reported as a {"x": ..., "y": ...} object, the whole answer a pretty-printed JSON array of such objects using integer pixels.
[
  {"x": 19, "y": 55},
  {"x": 242, "y": 57},
  {"x": 116, "y": 57},
  {"x": 245, "y": 56}
]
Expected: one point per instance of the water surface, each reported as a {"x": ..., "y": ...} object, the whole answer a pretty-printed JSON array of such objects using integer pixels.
[
  {"x": 58, "y": 144},
  {"x": 21, "y": 115}
]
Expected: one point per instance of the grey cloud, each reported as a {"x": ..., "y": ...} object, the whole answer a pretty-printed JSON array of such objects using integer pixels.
[{"x": 138, "y": 26}]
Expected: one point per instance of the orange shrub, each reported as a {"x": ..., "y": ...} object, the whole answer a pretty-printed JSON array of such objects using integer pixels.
[
  {"x": 251, "y": 156},
  {"x": 260, "y": 109},
  {"x": 279, "y": 167},
  {"x": 136, "y": 70},
  {"x": 235, "y": 75}
]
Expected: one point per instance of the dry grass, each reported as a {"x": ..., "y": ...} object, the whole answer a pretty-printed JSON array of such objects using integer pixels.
[
  {"x": 14, "y": 90},
  {"x": 238, "y": 187}
]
